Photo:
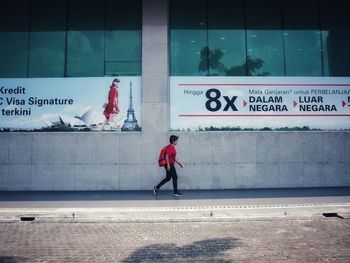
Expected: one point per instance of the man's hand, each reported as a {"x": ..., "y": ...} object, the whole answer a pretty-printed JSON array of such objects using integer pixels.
[{"x": 168, "y": 168}]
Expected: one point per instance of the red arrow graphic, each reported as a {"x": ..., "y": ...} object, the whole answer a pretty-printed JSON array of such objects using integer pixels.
[
  {"x": 244, "y": 103},
  {"x": 294, "y": 103},
  {"x": 343, "y": 103}
]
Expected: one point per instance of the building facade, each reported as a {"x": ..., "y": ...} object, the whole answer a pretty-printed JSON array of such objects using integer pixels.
[{"x": 181, "y": 55}]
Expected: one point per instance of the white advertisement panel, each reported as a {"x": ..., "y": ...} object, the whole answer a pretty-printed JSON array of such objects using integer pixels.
[
  {"x": 233, "y": 103},
  {"x": 70, "y": 104}
]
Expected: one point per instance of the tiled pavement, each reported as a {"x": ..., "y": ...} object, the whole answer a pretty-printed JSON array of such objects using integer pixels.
[{"x": 255, "y": 240}]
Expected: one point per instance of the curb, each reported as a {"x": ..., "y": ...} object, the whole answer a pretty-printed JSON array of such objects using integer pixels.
[{"x": 175, "y": 214}]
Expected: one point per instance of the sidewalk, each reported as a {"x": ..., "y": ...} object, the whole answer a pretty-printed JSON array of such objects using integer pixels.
[
  {"x": 195, "y": 205},
  {"x": 262, "y": 225}
]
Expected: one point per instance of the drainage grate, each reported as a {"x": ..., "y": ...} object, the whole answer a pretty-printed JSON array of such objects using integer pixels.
[
  {"x": 332, "y": 215},
  {"x": 27, "y": 218}
]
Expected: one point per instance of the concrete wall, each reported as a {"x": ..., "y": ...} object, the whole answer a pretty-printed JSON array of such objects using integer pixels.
[{"x": 213, "y": 160}]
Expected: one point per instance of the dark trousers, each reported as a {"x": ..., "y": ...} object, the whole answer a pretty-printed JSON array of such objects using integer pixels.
[{"x": 169, "y": 174}]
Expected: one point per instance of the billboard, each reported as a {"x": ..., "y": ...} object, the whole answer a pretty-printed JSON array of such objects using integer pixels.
[
  {"x": 70, "y": 104},
  {"x": 230, "y": 103}
]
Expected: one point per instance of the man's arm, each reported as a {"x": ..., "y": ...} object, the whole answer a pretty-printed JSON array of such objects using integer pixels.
[
  {"x": 167, "y": 162},
  {"x": 179, "y": 163}
]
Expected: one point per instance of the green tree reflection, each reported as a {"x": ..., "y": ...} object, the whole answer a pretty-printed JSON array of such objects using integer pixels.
[{"x": 210, "y": 59}]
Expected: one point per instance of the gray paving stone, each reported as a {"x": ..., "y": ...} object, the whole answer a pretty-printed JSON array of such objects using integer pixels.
[{"x": 306, "y": 240}]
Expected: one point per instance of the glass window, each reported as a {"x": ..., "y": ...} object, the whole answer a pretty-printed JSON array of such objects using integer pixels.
[
  {"x": 85, "y": 47},
  {"x": 188, "y": 38},
  {"x": 302, "y": 38},
  {"x": 123, "y": 38},
  {"x": 265, "y": 50},
  {"x": 47, "y": 38},
  {"x": 226, "y": 38},
  {"x": 335, "y": 24},
  {"x": 70, "y": 38},
  {"x": 14, "y": 27}
]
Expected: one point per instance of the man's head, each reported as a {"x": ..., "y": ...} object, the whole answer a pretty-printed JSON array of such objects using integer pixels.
[{"x": 173, "y": 139}]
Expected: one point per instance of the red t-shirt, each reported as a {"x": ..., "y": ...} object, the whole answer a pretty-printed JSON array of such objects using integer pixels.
[{"x": 171, "y": 153}]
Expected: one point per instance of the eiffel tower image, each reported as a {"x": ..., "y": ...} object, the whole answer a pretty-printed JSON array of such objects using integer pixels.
[{"x": 130, "y": 124}]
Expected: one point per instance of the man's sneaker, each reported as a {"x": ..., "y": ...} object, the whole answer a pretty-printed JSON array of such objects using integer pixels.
[
  {"x": 178, "y": 194},
  {"x": 155, "y": 190}
]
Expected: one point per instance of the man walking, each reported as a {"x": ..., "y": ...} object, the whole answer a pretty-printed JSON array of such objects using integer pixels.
[{"x": 170, "y": 157}]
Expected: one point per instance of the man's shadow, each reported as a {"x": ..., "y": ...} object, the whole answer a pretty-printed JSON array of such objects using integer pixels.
[{"x": 210, "y": 250}]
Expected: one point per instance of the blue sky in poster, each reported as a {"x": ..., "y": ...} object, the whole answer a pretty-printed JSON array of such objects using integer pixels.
[{"x": 86, "y": 93}]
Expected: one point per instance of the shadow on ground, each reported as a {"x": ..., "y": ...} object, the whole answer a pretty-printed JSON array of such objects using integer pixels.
[
  {"x": 11, "y": 259},
  {"x": 210, "y": 250}
]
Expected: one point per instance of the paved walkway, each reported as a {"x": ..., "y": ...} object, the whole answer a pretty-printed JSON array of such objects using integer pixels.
[
  {"x": 268, "y": 240},
  {"x": 88, "y": 199},
  {"x": 281, "y": 225},
  {"x": 194, "y": 205}
]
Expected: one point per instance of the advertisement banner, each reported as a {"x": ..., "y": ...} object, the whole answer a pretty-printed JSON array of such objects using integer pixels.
[
  {"x": 70, "y": 104},
  {"x": 276, "y": 103}
]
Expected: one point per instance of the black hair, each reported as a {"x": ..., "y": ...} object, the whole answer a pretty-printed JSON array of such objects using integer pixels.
[
  {"x": 173, "y": 138},
  {"x": 115, "y": 80}
]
